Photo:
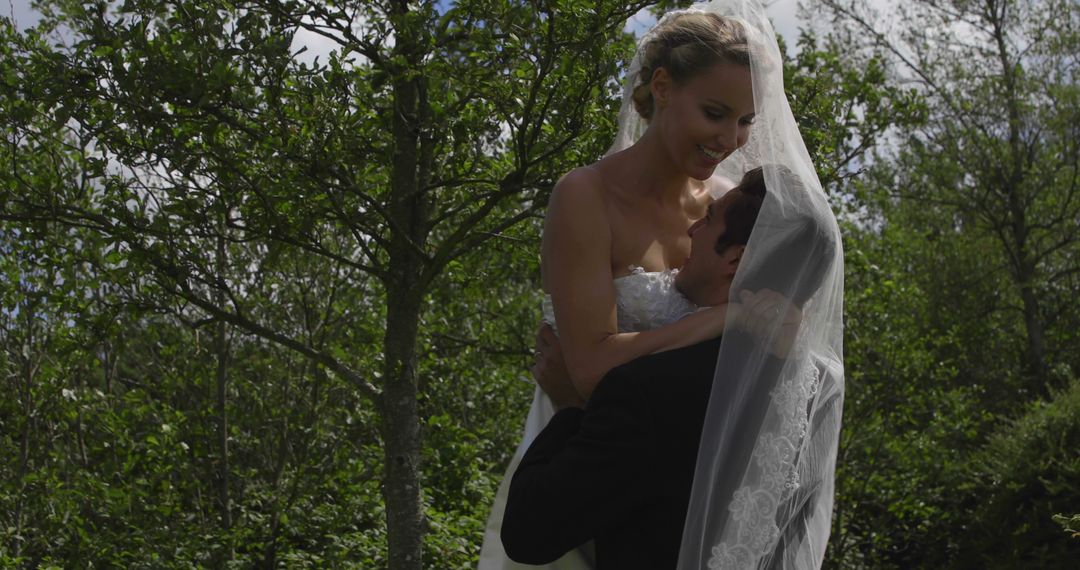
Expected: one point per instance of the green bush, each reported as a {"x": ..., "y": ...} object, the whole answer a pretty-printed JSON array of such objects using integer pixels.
[{"x": 1028, "y": 471}]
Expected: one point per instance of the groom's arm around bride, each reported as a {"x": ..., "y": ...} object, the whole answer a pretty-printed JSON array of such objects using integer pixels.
[{"x": 619, "y": 472}]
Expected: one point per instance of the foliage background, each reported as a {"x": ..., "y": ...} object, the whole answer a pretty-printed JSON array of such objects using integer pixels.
[{"x": 171, "y": 197}]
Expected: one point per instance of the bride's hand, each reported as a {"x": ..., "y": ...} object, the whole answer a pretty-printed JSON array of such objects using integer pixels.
[
  {"x": 770, "y": 316},
  {"x": 550, "y": 372}
]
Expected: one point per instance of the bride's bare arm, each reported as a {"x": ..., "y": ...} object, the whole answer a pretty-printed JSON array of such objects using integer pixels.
[{"x": 576, "y": 254}]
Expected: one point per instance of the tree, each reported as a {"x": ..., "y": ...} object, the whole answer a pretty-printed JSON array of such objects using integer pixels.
[
  {"x": 431, "y": 131},
  {"x": 957, "y": 276},
  {"x": 1000, "y": 153},
  {"x": 1027, "y": 473}
]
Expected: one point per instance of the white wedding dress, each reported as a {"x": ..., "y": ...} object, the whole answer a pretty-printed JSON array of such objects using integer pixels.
[{"x": 643, "y": 300}]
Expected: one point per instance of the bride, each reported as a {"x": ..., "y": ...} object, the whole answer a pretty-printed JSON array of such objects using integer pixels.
[{"x": 617, "y": 231}]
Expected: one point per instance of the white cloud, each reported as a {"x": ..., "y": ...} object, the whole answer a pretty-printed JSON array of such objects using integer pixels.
[
  {"x": 791, "y": 16},
  {"x": 318, "y": 46},
  {"x": 640, "y": 23},
  {"x": 787, "y": 17},
  {"x": 22, "y": 13},
  {"x": 321, "y": 46}
]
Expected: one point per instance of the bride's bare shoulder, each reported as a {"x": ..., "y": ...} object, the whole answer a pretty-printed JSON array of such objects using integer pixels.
[
  {"x": 580, "y": 191},
  {"x": 585, "y": 178},
  {"x": 577, "y": 236}
]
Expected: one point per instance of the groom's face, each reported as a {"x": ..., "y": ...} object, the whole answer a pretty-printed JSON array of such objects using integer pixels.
[{"x": 707, "y": 273}]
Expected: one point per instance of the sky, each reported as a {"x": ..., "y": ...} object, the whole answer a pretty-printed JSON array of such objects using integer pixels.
[
  {"x": 784, "y": 13},
  {"x": 20, "y": 11},
  {"x": 785, "y": 18}
]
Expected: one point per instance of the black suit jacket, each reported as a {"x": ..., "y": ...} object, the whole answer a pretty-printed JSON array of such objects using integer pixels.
[{"x": 620, "y": 470}]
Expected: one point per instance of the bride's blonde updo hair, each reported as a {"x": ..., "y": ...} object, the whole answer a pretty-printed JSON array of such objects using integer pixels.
[{"x": 686, "y": 44}]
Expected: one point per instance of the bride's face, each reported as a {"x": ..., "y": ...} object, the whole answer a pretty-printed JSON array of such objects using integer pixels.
[{"x": 705, "y": 119}]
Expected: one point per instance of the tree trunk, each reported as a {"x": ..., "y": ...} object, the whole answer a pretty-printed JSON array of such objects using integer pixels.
[
  {"x": 409, "y": 211},
  {"x": 1026, "y": 271},
  {"x": 1036, "y": 341},
  {"x": 26, "y": 391},
  {"x": 1025, "y": 274},
  {"x": 401, "y": 433},
  {"x": 222, "y": 350}
]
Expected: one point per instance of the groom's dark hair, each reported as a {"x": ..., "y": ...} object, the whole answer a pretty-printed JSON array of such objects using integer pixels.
[
  {"x": 741, "y": 215},
  {"x": 799, "y": 240}
]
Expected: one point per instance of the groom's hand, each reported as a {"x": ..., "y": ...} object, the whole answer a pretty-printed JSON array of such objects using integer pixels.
[{"x": 550, "y": 370}]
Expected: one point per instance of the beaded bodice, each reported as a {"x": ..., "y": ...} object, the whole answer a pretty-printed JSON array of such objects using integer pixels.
[{"x": 643, "y": 300}]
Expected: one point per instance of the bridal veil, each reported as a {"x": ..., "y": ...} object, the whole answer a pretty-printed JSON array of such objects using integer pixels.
[{"x": 763, "y": 487}]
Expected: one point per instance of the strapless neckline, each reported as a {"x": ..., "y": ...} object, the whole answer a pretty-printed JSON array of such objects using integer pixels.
[
  {"x": 636, "y": 270},
  {"x": 643, "y": 300}
]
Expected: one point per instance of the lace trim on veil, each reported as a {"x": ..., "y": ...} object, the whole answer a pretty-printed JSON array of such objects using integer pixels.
[{"x": 754, "y": 508}]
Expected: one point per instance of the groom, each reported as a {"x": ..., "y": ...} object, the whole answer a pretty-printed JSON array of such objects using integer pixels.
[{"x": 619, "y": 469}]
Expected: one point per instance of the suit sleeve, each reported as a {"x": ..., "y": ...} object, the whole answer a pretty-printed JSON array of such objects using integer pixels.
[{"x": 585, "y": 471}]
